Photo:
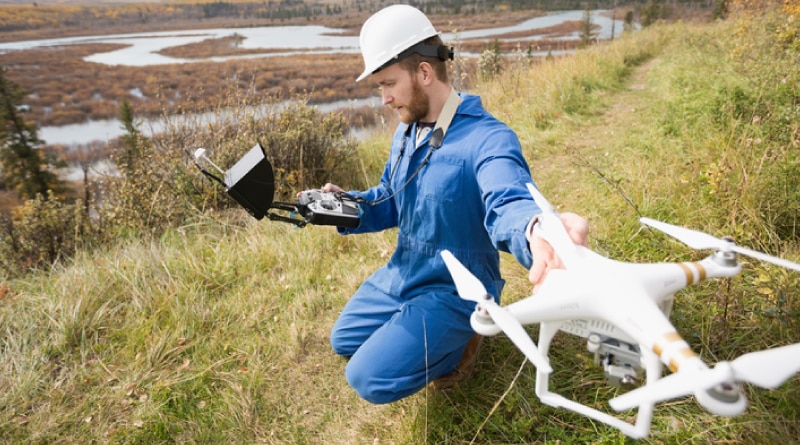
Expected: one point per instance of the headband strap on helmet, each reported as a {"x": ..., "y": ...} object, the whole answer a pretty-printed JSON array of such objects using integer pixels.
[{"x": 441, "y": 52}]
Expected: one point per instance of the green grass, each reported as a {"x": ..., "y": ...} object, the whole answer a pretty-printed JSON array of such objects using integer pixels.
[{"x": 217, "y": 331}]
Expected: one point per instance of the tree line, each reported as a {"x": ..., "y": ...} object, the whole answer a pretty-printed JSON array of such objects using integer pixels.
[{"x": 53, "y": 17}]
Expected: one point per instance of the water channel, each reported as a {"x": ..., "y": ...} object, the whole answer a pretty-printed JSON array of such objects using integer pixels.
[{"x": 290, "y": 40}]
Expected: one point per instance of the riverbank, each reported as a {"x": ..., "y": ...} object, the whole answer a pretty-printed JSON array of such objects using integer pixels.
[
  {"x": 351, "y": 21},
  {"x": 66, "y": 86}
]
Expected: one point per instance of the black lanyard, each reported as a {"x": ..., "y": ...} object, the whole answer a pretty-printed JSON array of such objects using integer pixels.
[
  {"x": 443, "y": 123},
  {"x": 435, "y": 143}
]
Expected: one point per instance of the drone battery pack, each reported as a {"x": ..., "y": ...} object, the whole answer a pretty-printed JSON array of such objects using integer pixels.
[{"x": 251, "y": 182}]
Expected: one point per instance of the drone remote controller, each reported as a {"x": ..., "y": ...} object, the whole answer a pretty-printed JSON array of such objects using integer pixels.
[
  {"x": 251, "y": 183},
  {"x": 328, "y": 209}
]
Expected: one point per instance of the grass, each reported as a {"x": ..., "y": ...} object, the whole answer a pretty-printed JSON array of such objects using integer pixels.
[
  {"x": 189, "y": 336},
  {"x": 217, "y": 332}
]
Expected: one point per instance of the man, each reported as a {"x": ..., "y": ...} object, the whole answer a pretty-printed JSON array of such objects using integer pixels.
[{"x": 456, "y": 180}]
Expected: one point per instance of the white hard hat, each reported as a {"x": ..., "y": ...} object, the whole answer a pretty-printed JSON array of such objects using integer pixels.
[{"x": 389, "y": 32}]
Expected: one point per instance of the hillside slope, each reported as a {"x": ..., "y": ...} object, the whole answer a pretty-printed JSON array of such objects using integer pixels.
[{"x": 217, "y": 331}]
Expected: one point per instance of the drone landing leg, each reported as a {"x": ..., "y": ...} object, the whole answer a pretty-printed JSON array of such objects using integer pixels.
[{"x": 644, "y": 416}]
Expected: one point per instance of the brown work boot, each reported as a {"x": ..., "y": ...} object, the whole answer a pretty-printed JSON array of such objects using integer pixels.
[{"x": 465, "y": 367}]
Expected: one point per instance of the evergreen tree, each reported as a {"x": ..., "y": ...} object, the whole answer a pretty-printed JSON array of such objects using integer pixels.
[
  {"x": 587, "y": 27},
  {"x": 25, "y": 166},
  {"x": 628, "y": 25},
  {"x": 131, "y": 140}
]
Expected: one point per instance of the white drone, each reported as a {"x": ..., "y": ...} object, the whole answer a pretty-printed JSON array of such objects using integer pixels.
[{"x": 623, "y": 311}]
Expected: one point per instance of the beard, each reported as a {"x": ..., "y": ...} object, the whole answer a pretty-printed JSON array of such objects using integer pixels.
[{"x": 418, "y": 107}]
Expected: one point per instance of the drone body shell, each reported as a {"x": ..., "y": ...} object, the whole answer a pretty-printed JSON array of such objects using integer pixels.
[{"x": 632, "y": 301}]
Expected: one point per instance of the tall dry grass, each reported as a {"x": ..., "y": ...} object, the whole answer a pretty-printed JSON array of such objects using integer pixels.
[{"x": 216, "y": 331}]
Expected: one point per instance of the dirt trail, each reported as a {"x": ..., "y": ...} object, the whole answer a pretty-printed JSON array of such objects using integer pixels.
[
  {"x": 621, "y": 115},
  {"x": 602, "y": 146}
]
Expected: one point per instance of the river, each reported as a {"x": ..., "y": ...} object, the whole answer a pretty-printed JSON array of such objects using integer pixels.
[{"x": 142, "y": 50}]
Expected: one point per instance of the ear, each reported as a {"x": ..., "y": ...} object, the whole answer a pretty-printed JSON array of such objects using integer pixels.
[{"x": 426, "y": 73}]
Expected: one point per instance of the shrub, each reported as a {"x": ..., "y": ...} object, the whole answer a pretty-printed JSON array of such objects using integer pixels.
[
  {"x": 160, "y": 186},
  {"x": 42, "y": 232},
  {"x": 156, "y": 186},
  {"x": 308, "y": 148},
  {"x": 490, "y": 64}
]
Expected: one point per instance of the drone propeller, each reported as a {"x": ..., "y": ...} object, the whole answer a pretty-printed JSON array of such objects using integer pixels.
[
  {"x": 700, "y": 240},
  {"x": 470, "y": 288},
  {"x": 551, "y": 228},
  {"x": 541, "y": 201},
  {"x": 768, "y": 369}
]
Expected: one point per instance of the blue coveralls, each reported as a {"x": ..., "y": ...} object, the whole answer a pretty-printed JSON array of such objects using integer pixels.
[{"x": 406, "y": 325}]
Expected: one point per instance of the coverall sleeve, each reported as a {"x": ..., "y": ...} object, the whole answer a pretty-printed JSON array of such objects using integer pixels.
[
  {"x": 502, "y": 175},
  {"x": 376, "y": 217}
]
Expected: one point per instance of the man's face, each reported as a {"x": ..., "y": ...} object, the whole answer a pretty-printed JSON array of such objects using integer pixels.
[{"x": 402, "y": 91}]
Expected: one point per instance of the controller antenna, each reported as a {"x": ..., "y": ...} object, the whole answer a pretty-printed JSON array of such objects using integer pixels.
[{"x": 200, "y": 154}]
